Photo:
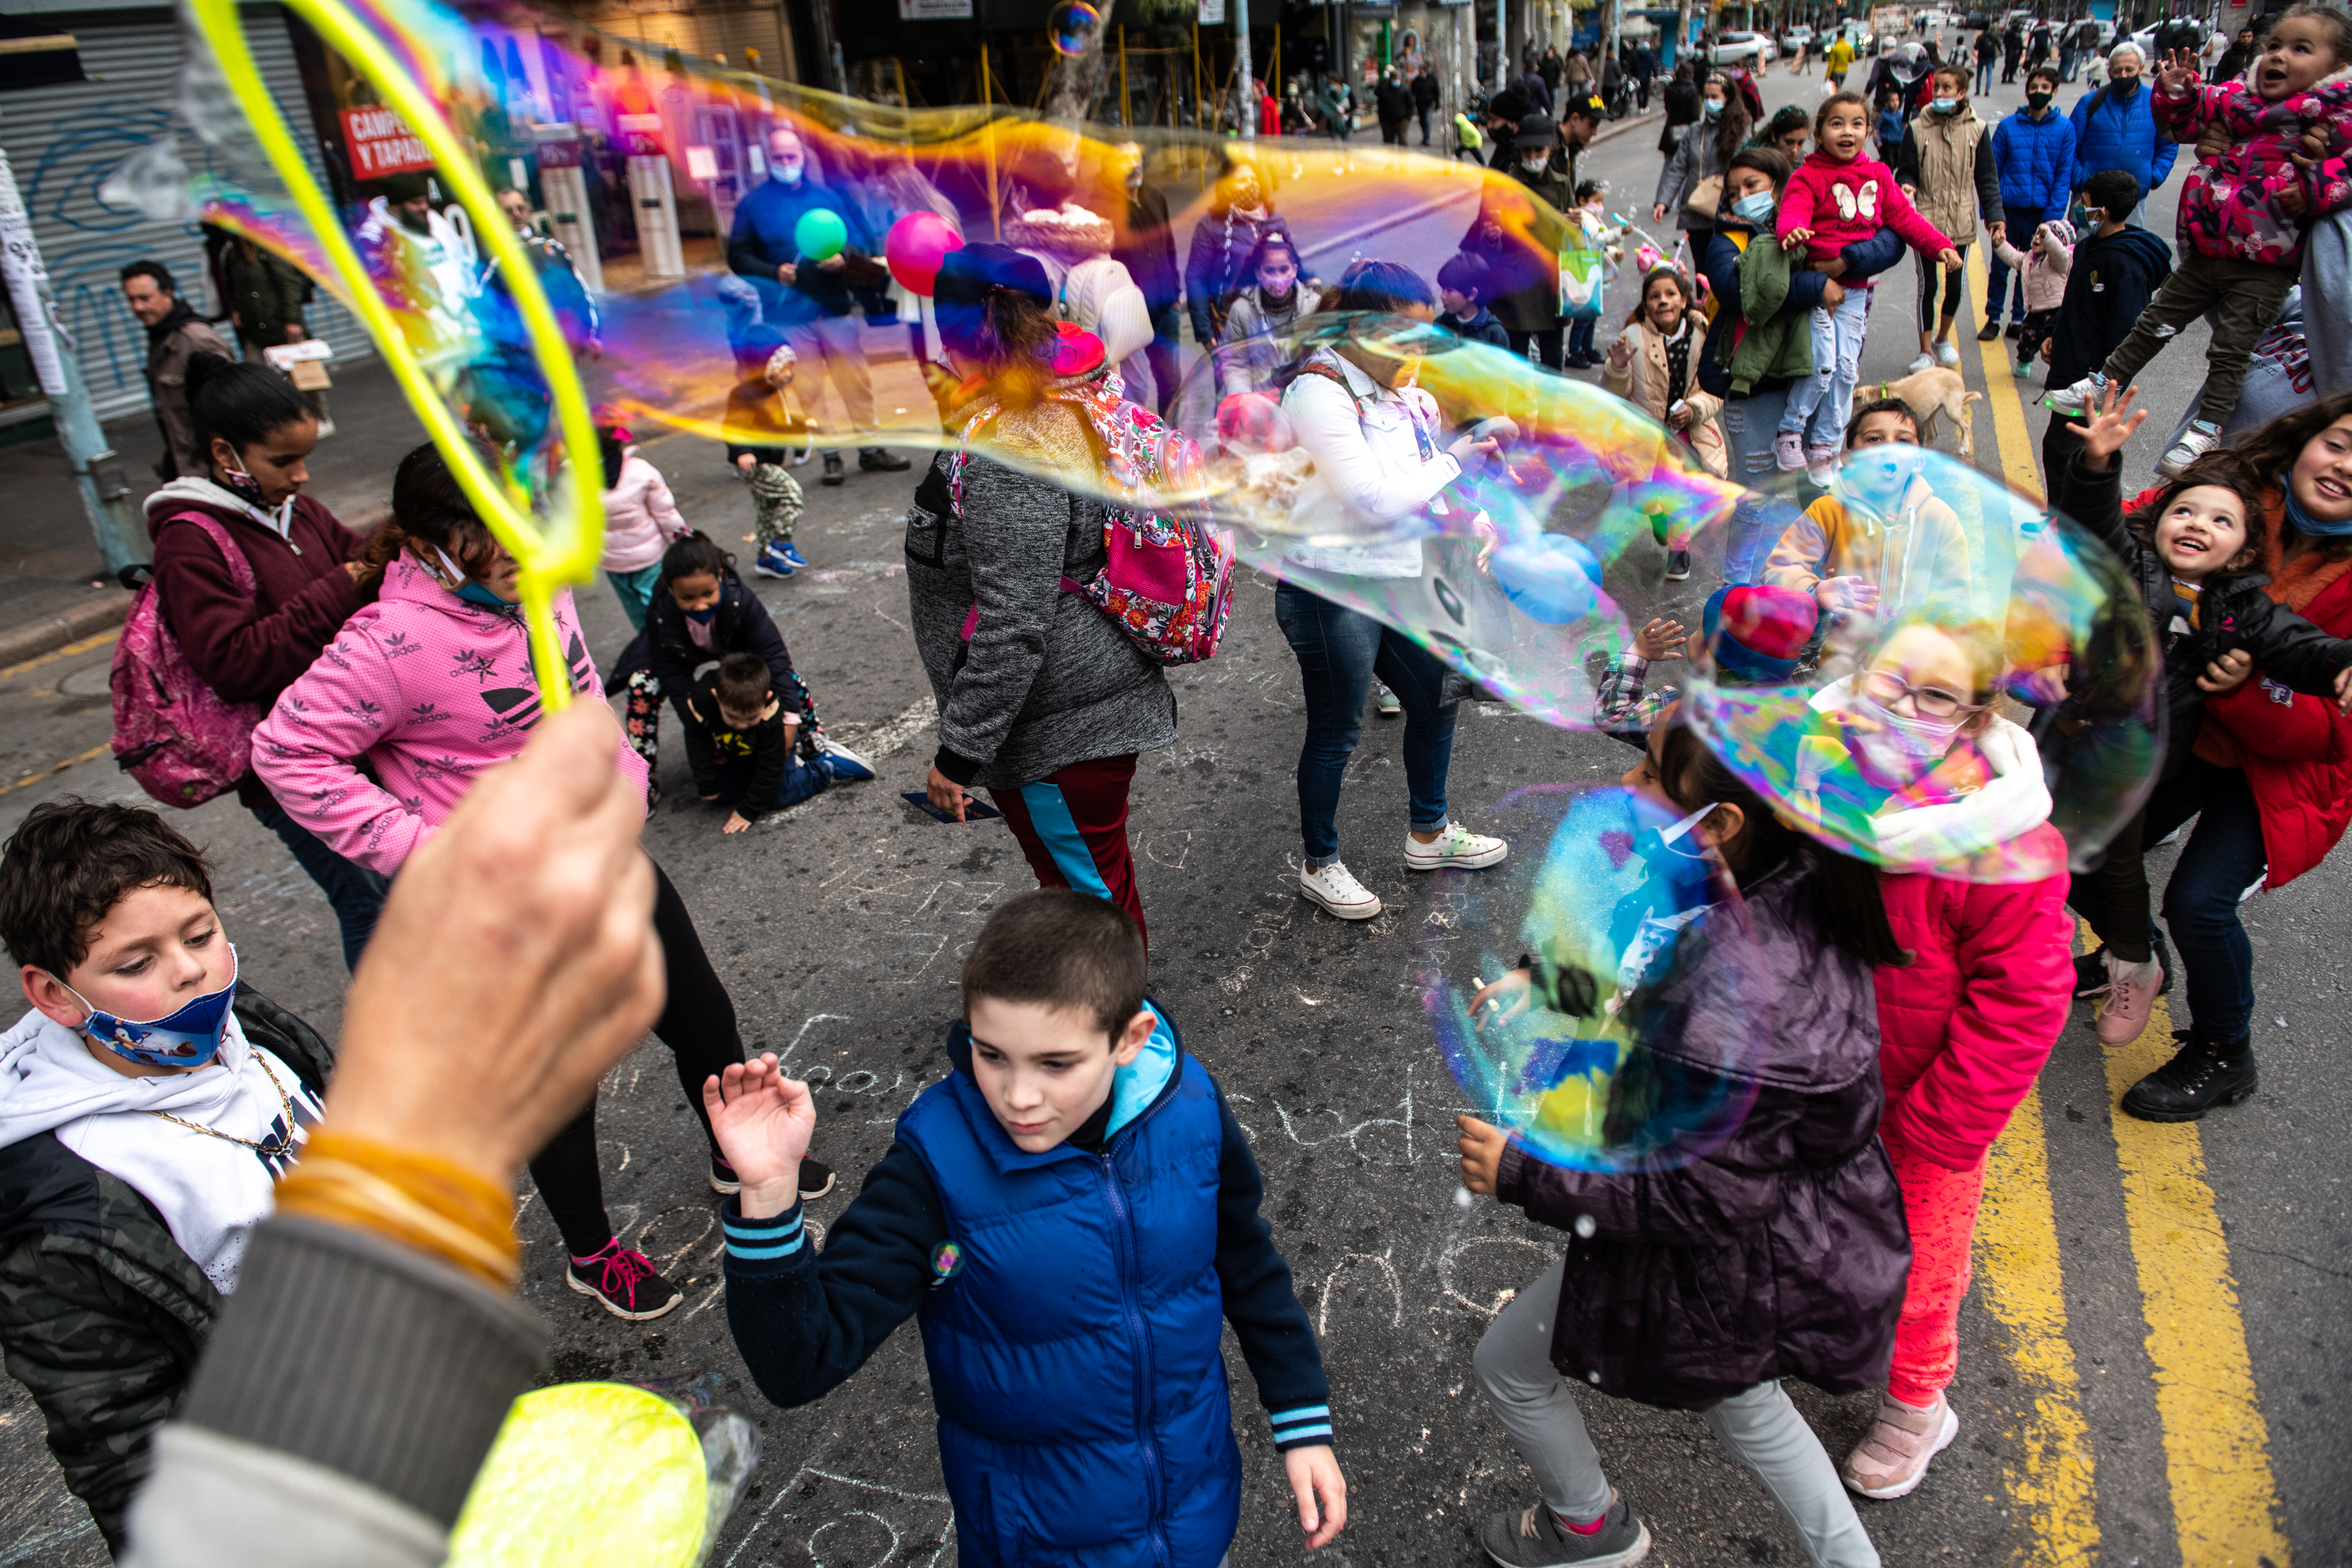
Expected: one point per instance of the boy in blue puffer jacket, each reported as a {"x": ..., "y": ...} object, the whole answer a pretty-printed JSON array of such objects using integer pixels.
[{"x": 1073, "y": 1215}]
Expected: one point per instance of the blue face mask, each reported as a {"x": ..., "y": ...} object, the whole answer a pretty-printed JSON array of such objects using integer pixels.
[
  {"x": 1682, "y": 870},
  {"x": 2318, "y": 528},
  {"x": 2079, "y": 216},
  {"x": 1714, "y": 107},
  {"x": 1757, "y": 208},
  {"x": 1946, "y": 105},
  {"x": 475, "y": 593},
  {"x": 188, "y": 1037},
  {"x": 702, "y": 616}
]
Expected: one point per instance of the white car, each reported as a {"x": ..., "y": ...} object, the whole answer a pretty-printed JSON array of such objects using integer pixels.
[
  {"x": 1795, "y": 38},
  {"x": 1738, "y": 50},
  {"x": 2147, "y": 38}
]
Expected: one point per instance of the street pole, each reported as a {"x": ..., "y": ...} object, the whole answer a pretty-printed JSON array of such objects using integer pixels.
[
  {"x": 1244, "y": 82},
  {"x": 97, "y": 471}
]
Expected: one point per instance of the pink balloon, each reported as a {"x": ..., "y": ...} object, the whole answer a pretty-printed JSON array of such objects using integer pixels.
[{"x": 916, "y": 246}]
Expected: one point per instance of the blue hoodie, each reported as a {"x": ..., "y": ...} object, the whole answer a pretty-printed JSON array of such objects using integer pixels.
[{"x": 1072, "y": 1305}]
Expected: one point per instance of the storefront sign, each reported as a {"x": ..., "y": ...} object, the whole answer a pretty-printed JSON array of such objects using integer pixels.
[
  {"x": 935, "y": 10},
  {"x": 1213, "y": 13},
  {"x": 381, "y": 143}
]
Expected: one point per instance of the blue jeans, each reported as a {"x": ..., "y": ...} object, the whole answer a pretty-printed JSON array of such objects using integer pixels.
[
  {"x": 354, "y": 893},
  {"x": 1164, "y": 355},
  {"x": 1580, "y": 336},
  {"x": 1340, "y": 650},
  {"x": 2222, "y": 856},
  {"x": 1984, "y": 75},
  {"x": 801, "y": 781},
  {"x": 1757, "y": 524}
]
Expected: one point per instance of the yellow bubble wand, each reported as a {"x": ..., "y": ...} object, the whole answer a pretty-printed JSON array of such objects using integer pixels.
[{"x": 559, "y": 548}]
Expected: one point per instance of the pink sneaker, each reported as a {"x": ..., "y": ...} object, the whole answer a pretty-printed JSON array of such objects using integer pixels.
[
  {"x": 1789, "y": 452},
  {"x": 2132, "y": 991},
  {"x": 1821, "y": 466},
  {"x": 1891, "y": 1460}
]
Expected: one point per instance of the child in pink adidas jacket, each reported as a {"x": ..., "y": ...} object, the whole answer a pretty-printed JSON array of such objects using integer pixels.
[
  {"x": 429, "y": 686},
  {"x": 1839, "y": 197}
]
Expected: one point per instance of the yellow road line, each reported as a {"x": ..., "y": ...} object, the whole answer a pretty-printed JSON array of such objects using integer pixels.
[
  {"x": 2051, "y": 1484},
  {"x": 55, "y": 768},
  {"x": 2225, "y": 1502},
  {"x": 84, "y": 646},
  {"x": 2020, "y": 462}
]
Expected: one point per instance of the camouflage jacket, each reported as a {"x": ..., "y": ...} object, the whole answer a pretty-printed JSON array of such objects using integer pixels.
[{"x": 101, "y": 1315}]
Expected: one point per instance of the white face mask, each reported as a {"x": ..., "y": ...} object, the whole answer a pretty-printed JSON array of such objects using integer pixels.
[
  {"x": 1900, "y": 751},
  {"x": 789, "y": 172},
  {"x": 1540, "y": 159}
]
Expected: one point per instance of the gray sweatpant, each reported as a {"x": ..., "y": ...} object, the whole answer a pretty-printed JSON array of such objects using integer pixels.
[{"x": 1761, "y": 1427}]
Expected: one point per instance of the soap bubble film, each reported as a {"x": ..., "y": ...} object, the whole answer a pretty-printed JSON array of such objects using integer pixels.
[{"x": 1605, "y": 1059}]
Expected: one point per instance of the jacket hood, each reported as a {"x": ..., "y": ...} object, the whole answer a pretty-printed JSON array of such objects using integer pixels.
[
  {"x": 1069, "y": 234},
  {"x": 49, "y": 1079},
  {"x": 1942, "y": 836},
  {"x": 202, "y": 495},
  {"x": 2154, "y": 251}
]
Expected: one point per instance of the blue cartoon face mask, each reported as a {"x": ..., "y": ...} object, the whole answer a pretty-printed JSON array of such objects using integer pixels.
[{"x": 188, "y": 1037}]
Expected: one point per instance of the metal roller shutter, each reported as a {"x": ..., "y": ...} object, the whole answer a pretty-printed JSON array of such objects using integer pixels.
[{"x": 64, "y": 142}]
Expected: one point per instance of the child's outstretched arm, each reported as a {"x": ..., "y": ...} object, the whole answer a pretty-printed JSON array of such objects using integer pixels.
[
  {"x": 1275, "y": 1338},
  {"x": 2297, "y": 655},
  {"x": 804, "y": 1325},
  {"x": 1698, "y": 1204},
  {"x": 1794, "y": 224}
]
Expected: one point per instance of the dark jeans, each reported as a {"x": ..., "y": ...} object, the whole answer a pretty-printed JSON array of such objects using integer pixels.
[
  {"x": 1641, "y": 92},
  {"x": 697, "y": 1025},
  {"x": 1757, "y": 519},
  {"x": 1339, "y": 651},
  {"x": 1999, "y": 292},
  {"x": 1984, "y": 75},
  {"x": 1580, "y": 336},
  {"x": 354, "y": 893},
  {"x": 2222, "y": 856},
  {"x": 1547, "y": 345},
  {"x": 1161, "y": 353},
  {"x": 1421, "y": 112}
]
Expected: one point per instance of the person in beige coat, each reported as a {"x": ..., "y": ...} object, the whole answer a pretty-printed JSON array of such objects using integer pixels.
[
  {"x": 1946, "y": 166},
  {"x": 1653, "y": 366}
]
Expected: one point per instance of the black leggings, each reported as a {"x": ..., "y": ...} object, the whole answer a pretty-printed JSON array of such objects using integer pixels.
[
  {"x": 698, "y": 1024},
  {"x": 1931, "y": 274}
]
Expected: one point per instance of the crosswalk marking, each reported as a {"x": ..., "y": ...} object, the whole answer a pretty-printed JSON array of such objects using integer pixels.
[{"x": 2052, "y": 1483}]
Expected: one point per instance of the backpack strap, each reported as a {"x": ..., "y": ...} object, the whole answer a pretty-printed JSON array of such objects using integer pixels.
[{"x": 240, "y": 569}]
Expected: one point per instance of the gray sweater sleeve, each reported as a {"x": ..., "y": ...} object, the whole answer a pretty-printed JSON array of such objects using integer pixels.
[
  {"x": 1017, "y": 530},
  {"x": 350, "y": 1393}
]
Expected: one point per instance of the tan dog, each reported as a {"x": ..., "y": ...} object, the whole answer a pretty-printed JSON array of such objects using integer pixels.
[{"x": 1933, "y": 393}]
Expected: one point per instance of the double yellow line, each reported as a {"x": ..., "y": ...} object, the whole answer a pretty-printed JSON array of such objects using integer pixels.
[{"x": 2225, "y": 1505}]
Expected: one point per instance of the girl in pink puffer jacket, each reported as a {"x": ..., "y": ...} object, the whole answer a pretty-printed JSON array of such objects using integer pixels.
[
  {"x": 429, "y": 686},
  {"x": 641, "y": 521}
]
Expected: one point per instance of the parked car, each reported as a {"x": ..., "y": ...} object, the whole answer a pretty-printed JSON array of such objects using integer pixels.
[
  {"x": 1795, "y": 38},
  {"x": 1736, "y": 50},
  {"x": 1977, "y": 21}
]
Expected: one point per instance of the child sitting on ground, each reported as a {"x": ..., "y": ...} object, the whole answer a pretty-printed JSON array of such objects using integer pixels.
[
  {"x": 1462, "y": 285},
  {"x": 745, "y": 748},
  {"x": 1072, "y": 1214},
  {"x": 2045, "y": 269},
  {"x": 762, "y": 435},
  {"x": 124, "y": 1231},
  {"x": 1836, "y": 197},
  {"x": 2245, "y": 211},
  {"x": 641, "y": 520}
]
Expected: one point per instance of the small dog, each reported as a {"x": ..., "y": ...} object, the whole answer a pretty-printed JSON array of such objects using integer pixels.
[{"x": 1936, "y": 392}]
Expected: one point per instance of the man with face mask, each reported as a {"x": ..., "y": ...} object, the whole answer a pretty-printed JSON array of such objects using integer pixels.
[
  {"x": 1526, "y": 284},
  {"x": 2033, "y": 150},
  {"x": 2115, "y": 128},
  {"x": 405, "y": 236},
  {"x": 810, "y": 301}
]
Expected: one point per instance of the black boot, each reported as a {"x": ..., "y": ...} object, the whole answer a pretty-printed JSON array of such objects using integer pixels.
[{"x": 2203, "y": 1074}]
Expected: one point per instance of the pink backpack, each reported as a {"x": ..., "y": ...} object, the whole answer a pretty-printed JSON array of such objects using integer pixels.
[
  {"x": 1167, "y": 578},
  {"x": 171, "y": 732}
]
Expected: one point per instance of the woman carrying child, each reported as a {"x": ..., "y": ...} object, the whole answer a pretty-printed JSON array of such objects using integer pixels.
[
  {"x": 1837, "y": 197},
  {"x": 2193, "y": 554},
  {"x": 2269, "y": 782},
  {"x": 2244, "y": 213},
  {"x": 427, "y": 687},
  {"x": 1703, "y": 1275}
]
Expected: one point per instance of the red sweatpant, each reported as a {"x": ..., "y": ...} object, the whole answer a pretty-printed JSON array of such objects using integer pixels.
[
  {"x": 1073, "y": 826},
  {"x": 1941, "y": 1204}
]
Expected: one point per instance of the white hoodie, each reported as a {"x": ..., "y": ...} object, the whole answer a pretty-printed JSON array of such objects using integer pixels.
[{"x": 210, "y": 1192}]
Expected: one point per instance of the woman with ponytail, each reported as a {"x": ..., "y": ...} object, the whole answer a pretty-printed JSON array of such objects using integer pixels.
[
  {"x": 427, "y": 687},
  {"x": 249, "y": 626}
]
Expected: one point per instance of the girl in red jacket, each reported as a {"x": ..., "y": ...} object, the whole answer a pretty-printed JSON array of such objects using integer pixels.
[
  {"x": 1964, "y": 1026},
  {"x": 2270, "y": 780}
]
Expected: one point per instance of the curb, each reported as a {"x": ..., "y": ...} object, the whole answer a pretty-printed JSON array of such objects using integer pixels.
[{"x": 100, "y": 612}]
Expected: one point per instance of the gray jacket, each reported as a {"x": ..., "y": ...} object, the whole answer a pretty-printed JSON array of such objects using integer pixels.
[{"x": 1048, "y": 678}]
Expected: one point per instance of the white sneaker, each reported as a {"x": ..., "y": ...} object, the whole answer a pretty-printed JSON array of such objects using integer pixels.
[
  {"x": 2195, "y": 442},
  {"x": 1454, "y": 846},
  {"x": 1335, "y": 889},
  {"x": 1925, "y": 361},
  {"x": 1821, "y": 466},
  {"x": 2075, "y": 401},
  {"x": 1947, "y": 354}
]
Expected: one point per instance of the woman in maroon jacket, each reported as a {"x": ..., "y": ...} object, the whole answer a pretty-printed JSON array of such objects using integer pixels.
[
  {"x": 250, "y": 645},
  {"x": 2270, "y": 782}
]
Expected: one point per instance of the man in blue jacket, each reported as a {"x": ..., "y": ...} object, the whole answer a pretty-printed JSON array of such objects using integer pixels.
[
  {"x": 1072, "y": 1215},
  {"x": 2035, "y": 151},
  {"x": 810, "y": 301},
  {"x": 2115, "y": 128}
]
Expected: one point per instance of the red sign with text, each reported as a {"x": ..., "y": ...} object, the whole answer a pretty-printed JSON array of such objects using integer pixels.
[{"x": 381, "y": 143}]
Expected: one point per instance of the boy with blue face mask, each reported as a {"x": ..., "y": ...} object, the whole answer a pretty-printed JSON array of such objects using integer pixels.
[{"x": 147, "y": 1107}]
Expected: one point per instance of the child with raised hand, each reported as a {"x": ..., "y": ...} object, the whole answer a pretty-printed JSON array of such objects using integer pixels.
[
  {"x": 1837, "y": 197},
  {"x": 120, "y": 1231},
  {"x": 2194, "y": 556},
  {"x": 641, "y": 521},
  {"x": 1650, "y": 365},
  {"x": 2244, "y": 212},
  {"x": 1072, "y": 1215},
  {"x": 1723, "y": 1264},
  {"x": 763, "y": 437},
  {"x": 745, "y": 746}
]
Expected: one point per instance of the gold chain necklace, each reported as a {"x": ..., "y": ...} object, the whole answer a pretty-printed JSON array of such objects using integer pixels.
[{"x": 267, "y": 1149}]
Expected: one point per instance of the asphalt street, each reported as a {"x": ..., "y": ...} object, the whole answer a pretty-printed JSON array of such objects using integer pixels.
[{"x": 2154, "y": 1360}]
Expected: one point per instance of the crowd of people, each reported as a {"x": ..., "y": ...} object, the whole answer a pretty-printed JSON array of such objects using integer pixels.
[{"x": 213, "y": 1165}]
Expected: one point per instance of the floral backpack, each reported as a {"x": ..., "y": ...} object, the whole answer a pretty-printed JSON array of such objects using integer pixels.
[
  {"x": 172, "y": 732},
  {"x": 1167, "y": 578}
]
